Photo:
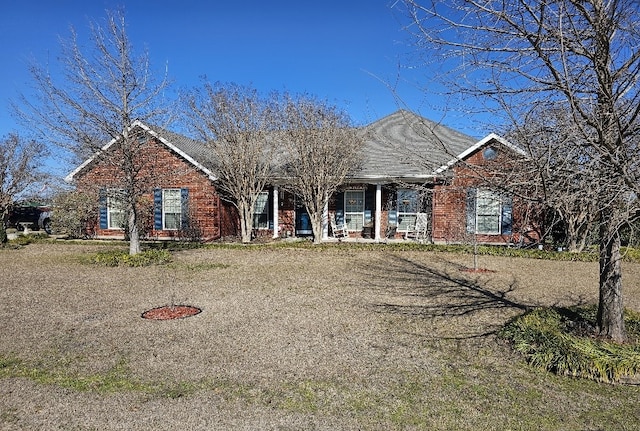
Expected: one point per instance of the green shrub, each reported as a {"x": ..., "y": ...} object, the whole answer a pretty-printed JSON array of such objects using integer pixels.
[
  {"x": 563, "y": 341},
  {"x": 30, "y": 239},
  {"x": 73, "y": 211},
  {"x": 122, "y": 258}
]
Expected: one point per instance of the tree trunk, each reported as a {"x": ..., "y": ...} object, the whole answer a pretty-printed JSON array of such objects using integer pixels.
[
  {"x": 134, "y": 233},
  {"x": 610, "y": 319},
  {"x": 246, "y": 224},
  {"x": 316, "y": 226},
  {"x": 3, "y": 228}
]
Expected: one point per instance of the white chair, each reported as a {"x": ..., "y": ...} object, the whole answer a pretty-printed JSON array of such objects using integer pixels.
[
  {"x": 338, "y": 231},
  {"x": 420, "y": 231}
]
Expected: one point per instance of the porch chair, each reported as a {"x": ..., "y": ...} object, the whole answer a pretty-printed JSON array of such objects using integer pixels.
[
  {"x": 338, "y": 231},
  {"x": 420, "y": 231}
]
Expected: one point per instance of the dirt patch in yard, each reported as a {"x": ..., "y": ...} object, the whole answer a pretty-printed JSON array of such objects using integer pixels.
[{"x": 292, "y": 338}]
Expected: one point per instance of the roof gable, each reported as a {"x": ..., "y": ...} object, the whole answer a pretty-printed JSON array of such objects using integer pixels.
[
  {"x": 190, "y": 150},
  {"x": 490, "y": 138}
]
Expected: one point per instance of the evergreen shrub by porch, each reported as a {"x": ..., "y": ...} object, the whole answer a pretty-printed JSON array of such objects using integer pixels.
[{"x": 563, "y": 341}]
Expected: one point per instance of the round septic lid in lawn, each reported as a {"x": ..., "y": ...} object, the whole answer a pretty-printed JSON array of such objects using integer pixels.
[{"x": 170, "y": 312}]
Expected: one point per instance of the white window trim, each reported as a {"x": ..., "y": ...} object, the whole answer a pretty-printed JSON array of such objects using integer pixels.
[
  {"x": 486, "y": 194},
  {"x": 353, "y": 214},
  {"x": 400, "y": 214},
  {"x": 164, "y": 212},
  {"x": 112, "y": 203},
  {"x": 266, "y": 210}
]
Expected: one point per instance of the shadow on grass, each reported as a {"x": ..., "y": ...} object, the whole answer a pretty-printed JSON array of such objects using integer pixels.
[{"x": 441, "y": 290}]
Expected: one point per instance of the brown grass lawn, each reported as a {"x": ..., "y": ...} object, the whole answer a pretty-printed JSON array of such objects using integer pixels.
[{"x": 300, "y": 338}]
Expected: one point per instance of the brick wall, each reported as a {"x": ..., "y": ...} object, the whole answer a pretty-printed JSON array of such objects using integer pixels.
[
  {"x": 449, "y": 202},
  {"x": 161, "y": 168}
]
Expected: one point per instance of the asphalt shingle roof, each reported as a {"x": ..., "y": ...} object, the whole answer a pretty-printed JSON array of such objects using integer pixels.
[
  {"x": 405, "y": 145},
  {"x": 402, "y": 145}
]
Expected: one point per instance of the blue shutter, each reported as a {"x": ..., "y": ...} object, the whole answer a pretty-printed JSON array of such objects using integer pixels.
[
  {"x": 507, "y": 216},
  {"x": 184, "y": 208},
  {"x": 369, "y": 201},
  {"x": 102, "y": 208},
  {"x": 471, "y": 210},
  {"x": 340, "y": 208},
  {"x": 157, "y": 209},
  {"x": 392, "y": 218}
]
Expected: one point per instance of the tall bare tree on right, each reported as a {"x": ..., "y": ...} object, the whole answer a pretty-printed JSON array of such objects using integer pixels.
[{"x": 578, "y": 55}]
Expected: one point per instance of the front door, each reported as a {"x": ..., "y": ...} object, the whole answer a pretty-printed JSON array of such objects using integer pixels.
[{"x": 303, "y": 222}]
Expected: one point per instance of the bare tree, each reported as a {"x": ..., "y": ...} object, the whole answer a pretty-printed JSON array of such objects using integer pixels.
[
  {"x": 96, "y": 97},
  {"x": 580, "y": 54},
  {"x": 21, "y": 163},
  {"x": 322, "y": 147},
  {"x": 239, "y": 126},
  {"x": 558, "y": 171}
]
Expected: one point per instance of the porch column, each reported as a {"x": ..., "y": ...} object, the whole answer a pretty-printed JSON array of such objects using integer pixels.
[
  {"x": 378, "y": 211},
  {"x": 276, "y": 231},
  {"x": 325, "y": 220}
]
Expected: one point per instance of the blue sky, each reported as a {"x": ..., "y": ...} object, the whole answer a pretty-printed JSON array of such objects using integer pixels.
[{"x": 349, "y": 52}]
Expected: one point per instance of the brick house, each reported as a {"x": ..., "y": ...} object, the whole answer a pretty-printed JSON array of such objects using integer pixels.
[
  {"x": 182, "y": 190},
  {"x": 413, "y": 169},
  {"x": 415, "y": 166}
]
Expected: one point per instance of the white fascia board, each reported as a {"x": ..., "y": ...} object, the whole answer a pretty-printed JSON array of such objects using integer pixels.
[
  {"x": 177, "y": 150},
  {"x": 212, "y": 177},
  {"x": 475, "y": 147},
  {"x": 69, "y": 178}
]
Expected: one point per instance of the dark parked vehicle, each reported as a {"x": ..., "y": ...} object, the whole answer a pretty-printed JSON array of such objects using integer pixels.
[{"x": 31, "y": 216}]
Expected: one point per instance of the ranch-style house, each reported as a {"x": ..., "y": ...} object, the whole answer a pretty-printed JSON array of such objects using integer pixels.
[{"x": 419, "y": 179}]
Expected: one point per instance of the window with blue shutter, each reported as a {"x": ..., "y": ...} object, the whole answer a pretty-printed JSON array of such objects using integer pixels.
[
  {"x": 471, "y": 210},
  {"x": 184, "y": 208},
  {"x": 340, "y": 208},
  {"x": 507, "y": 216},
  {"x": 392, "y": 218},
  {"x": 102, "y": 202},
  {"x": 489, "y": 213},
  {"x": 261, "y": 211},
  {"x": 170, "y": 209},
  {"x": 157, "y": 209}
]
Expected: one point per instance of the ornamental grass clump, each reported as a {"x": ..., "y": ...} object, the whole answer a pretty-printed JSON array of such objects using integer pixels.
[{"x": 563, "y": 341}]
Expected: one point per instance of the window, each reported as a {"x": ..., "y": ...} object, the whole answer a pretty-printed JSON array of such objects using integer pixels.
[
  {"x": 488, "y": 212},
  {"x": 261, "y": 211},
  {"x": 171, "y": 209},
  {"x": 354, "y": 209},
  {"x": 407, "y": 209},
  {"x": 115, "y": 209},
  {"x": 490, "y": 153}
]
